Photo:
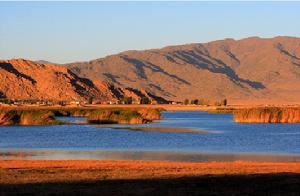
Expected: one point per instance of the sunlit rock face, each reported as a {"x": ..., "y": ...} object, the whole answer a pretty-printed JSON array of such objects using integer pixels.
[
  {"x": 252, "y": 70},
  {"x": 25, "y": 79}
]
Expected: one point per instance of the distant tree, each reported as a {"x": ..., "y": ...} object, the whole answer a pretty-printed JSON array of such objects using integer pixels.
[
  {"x": 186, "y": 102},
  {"x": 90, "y": 100},
  {"x": 145, "y": 100},
  {"x": 61, "y": 103},
  {"x": 217, "y": 103},
  {"x": 6, "y": 101},
  {"x": 224, "y": 102},
  {"x": 127, "y": 100},
  {"x": 196, "y": 102},
  {"x": 203, "y": 102}
]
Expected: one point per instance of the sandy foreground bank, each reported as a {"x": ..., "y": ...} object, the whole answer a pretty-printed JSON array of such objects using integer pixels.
[
  {"x": 36, "y": 171},
  {"x": 147, "y": 178}
]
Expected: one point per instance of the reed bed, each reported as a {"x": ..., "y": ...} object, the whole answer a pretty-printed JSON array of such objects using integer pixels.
[
  {"x": 46, "y": 116},
  {"x": 268, "y": 115}
]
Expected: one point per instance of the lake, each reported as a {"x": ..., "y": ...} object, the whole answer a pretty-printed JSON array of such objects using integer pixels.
[{"x": 197, "y": 136}]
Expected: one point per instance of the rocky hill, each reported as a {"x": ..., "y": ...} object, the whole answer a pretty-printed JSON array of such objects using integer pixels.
[
  {"x": 252, "y": 70},
  {"x": 24, "y": 79}
]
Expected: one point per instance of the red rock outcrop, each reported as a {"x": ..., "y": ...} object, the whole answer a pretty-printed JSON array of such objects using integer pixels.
[{"x": 25, "y": 79}]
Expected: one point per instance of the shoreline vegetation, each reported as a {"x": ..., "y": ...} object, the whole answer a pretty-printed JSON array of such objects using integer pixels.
[
  {"x": 46, "y": 116},
  {"x": 140, "y": 114},
  {"x": 122, "y": 116},
  {"x": 267, "y": 115},
  {"x": 168, "y": 130}
]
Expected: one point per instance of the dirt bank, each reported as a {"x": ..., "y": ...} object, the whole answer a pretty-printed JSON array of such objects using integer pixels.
[
  {"x": 147, "y": 178},
  {"x": 25, "y": 171}
]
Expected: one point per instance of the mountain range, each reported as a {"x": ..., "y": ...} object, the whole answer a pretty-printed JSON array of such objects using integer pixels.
[{"x": 251, "y": 70}]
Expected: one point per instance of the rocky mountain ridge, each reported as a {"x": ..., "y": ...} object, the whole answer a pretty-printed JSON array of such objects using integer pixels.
[{"x": 251, "y": 70}]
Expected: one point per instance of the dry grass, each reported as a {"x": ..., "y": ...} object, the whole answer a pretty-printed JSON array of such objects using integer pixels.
[
  {"x": 46, "y": 115},
  {"x": 268, "y": 115}
]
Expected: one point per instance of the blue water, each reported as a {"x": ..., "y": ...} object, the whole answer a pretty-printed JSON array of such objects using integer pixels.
[{"x": 224, "y": 136}]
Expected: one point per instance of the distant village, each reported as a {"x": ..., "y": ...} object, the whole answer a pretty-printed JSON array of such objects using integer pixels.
[
  {"x": 91, "y": 101},
  {"x": 19, "y": 102}
]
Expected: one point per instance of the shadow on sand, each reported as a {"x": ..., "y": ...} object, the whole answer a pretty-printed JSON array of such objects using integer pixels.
[{"x": 258, "y": 184}]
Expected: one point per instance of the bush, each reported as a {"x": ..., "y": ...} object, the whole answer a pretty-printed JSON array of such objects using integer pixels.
[
  {"x": 90, "y": 100},
  {"x": 145, "y": 100},
  {"x": 6, "y": 101},
  {"x": 127, "y": 100},
  {"x": 203, "y": 102},
  {"x": 195, "y": 101},
  {"x": 186, "y": 102},
  {"x": 224, "y": 102}
]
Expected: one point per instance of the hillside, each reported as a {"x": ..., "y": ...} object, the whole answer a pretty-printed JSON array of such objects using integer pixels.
[
  {"x": 251, "y": 70},
  {"x": 24, "y": 79}
]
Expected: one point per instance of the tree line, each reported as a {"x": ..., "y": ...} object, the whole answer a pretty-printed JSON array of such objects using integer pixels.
[{"x": 222, "y": 102}]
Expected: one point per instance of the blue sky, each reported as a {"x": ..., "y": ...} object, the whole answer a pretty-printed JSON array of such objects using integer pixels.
[{"x": 76, "y": 31}]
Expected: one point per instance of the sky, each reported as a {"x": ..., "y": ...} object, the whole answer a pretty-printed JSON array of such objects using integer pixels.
[{"x": 64, "y": 32}]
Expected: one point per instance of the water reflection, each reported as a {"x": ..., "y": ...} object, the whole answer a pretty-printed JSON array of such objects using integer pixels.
[
  {"x": 142, "y": 155},
  {"x": 168, "y": 130},
  {"x": 72, "y": 119}
]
